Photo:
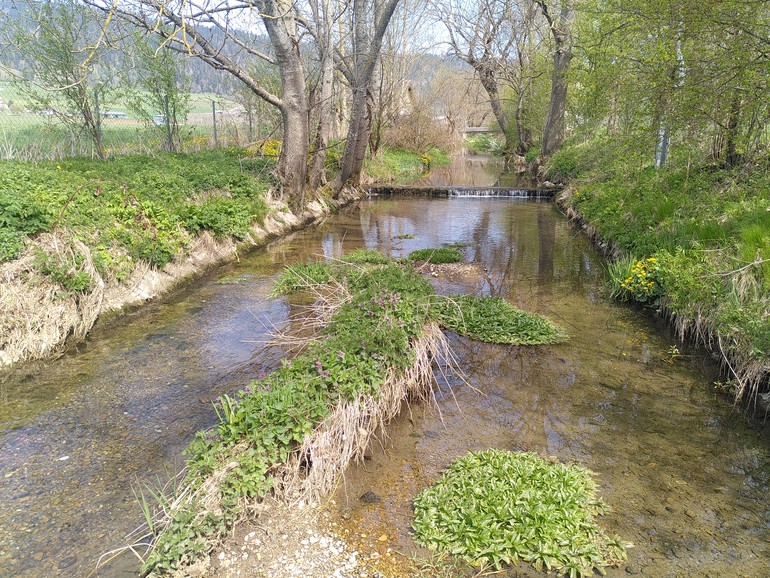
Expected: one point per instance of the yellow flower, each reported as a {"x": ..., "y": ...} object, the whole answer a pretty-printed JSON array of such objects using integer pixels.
[{"x": 58, "y": 167}]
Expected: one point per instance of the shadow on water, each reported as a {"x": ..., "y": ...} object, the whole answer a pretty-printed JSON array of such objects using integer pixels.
[{"x": 685, "y": 476}]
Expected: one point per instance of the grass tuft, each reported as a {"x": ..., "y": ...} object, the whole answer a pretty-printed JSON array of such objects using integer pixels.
[{"x": 437, "y": 256}]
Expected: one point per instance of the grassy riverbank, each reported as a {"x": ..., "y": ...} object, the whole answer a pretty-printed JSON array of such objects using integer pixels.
[
  {"x": 694, "y": 243},
  {"x": 84, "y": 237}
]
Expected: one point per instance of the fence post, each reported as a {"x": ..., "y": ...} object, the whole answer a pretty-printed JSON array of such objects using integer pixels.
[
  {"x": 251, "y": 129},
  {"x": 168, "y": 126},
  {"x": 214, "y": 117},
  {"x": 100, "y": 152}
]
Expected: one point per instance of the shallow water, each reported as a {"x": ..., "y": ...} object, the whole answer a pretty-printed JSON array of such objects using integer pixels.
[{"x": 685, "y": 475}]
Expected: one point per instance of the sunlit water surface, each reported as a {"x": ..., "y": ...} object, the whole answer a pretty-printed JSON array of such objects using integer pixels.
[{"x": 685, "y": 475}]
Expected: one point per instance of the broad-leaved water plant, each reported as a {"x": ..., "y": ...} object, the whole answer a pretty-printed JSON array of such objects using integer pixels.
[
  {"x": 495, "y": 508},
  {"x": 494, "y": 320}
]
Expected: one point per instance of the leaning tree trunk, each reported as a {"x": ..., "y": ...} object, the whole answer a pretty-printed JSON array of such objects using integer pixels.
[{"x": 489, "y": 83}]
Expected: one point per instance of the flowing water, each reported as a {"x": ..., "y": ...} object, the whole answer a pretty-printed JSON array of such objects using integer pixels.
[{"x": 685, "y": 475}]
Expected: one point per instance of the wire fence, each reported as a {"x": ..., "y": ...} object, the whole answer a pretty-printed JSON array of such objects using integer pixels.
[{"x": 45, "y": 135}]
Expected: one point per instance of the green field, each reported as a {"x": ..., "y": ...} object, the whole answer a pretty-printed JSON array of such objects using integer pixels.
[{"x": 26, "y": 133}]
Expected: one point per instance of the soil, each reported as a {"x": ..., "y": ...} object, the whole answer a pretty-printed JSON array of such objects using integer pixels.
[{"x": 302, "y": 542}]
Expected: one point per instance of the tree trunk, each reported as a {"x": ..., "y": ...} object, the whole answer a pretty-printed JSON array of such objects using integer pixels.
[
  {"x": 324, "y": 104},
  {"x": 366, "y": 52},
  {"x": 555, "y": 123},
  {"x": 489, "y": 82},
  {"x": 292, "y": 163},
  {"x": 523, "y": 134},
  {"x": 732, "y": 156}
]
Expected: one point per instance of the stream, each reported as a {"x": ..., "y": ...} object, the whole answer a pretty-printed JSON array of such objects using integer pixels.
[{"x": 684, "y": 473}]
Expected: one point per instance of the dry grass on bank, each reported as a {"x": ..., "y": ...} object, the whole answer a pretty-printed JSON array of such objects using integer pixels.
[{"x": 38, "y": 315}]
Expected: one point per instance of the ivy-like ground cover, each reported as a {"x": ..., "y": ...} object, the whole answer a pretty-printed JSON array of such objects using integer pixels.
[{"x": 498, "y": 507}]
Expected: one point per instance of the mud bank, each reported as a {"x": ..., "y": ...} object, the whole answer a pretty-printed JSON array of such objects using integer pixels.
[{"x": 40, "y": 318}]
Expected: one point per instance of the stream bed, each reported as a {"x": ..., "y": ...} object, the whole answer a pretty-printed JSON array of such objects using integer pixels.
[{"x": 685, "y": 474}]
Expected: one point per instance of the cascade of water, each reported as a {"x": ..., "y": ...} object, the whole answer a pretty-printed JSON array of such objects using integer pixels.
[
  {"x": 498, "y": 192},
  {"x": 462, "y": 191}
]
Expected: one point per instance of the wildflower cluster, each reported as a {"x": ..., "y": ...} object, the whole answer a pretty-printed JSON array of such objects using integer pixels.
[
  {"x": 425, "y": 160},
  {"x": 643, "y": 281}
]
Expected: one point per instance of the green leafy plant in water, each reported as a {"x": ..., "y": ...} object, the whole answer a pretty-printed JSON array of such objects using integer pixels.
[
  {"x": 494, "y": 320},
  {"x": 497, "y": 507},
  {"x": 440, "y": 255}
]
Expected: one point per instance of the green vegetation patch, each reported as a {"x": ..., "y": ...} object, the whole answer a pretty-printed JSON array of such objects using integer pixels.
[
  {"x": 142, "y": 207},
  {"x": 381, "y": 310},
  {"x": 498, "y": 507},
  {"x": 494, "y": 320},
  {"x": 440, "y": 255},
  {"x": 695, "y": 240},
  {"x": 370, "y": 256},
  {"x": 403, "y": 166}
]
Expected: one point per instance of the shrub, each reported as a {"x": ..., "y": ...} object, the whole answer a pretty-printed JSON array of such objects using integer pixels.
[{"x": 66, "y": 270}]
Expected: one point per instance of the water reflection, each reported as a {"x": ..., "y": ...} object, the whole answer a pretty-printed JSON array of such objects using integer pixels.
[{"x": 671, "y": 457}]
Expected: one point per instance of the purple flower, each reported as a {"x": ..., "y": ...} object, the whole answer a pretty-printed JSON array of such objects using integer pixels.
[{"x": 340, "y": 354}]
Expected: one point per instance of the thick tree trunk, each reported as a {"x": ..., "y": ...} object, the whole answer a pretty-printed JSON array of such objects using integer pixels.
[
  {"x": 555, "y": 123},
  {"x": 561, "y": 29},
  {"x": 292, "y": 164}
]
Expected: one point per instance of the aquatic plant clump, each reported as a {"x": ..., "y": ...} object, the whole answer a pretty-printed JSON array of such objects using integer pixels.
[
  {"x": 498, "y": 507},
  {"x": 437, "y": 256},
  {"x": 494, "y": 320}
]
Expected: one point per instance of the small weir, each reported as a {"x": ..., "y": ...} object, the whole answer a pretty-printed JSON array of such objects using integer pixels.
[{"x": 462, "y": 192}]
